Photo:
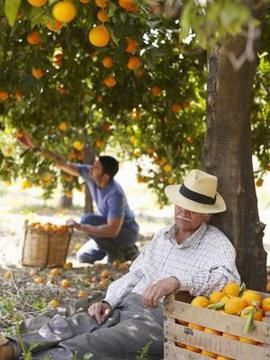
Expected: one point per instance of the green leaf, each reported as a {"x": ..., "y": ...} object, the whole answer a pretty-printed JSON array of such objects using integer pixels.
[
  {"x": 250, "y": 323},
  {"x": 11, "y": 10}
]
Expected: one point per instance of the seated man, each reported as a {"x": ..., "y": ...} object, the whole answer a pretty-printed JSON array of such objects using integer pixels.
[{"x": 190, "y": 255}]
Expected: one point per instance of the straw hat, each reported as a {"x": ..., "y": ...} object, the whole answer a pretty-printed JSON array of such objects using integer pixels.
[{"x": 198, "y": 193}]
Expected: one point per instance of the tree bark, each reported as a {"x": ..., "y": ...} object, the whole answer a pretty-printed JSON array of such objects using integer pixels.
[
  {"x": 227, "y": 153},
  {"x": 89, "y": 155}
]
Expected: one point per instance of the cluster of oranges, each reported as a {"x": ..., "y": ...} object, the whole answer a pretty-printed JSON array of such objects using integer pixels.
[
  {"x": 48, "y": 227},
  {"x": 231, "y": 300}
]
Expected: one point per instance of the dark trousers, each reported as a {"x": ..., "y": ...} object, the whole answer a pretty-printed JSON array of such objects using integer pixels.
[
  {"x": 130, "y": 330},
  {"x": 121, "y": 247}
]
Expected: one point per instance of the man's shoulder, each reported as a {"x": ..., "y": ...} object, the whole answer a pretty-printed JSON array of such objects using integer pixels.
[{"x": 218, "y": 236}]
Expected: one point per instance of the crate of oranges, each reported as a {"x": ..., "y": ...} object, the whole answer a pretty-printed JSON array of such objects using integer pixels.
[
  {"x": 229, "y": 324},
  {"x": 45, "y": 245}
]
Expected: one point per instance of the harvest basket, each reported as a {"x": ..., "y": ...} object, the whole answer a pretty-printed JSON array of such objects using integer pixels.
[
  {"x": 45, "y": 246},
  {"x": 180, "y": 337}
]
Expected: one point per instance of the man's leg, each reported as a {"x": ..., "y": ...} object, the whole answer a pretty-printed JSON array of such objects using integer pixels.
[
  {"x": 139, "y": 330},
  {"x": 90, "y": 251},
  {"x": 57, "y": 330},
  {"x": 120, "y": 248}
]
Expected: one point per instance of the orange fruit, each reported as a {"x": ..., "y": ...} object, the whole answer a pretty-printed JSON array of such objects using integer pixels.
[
  {"x": 133, "y": 62},
  {"x": 215, "y": 297},
  {"x": 248, "y": 341},
  {"x": 37, "y": 73},
  {"x": 123, "y": 266},
  {"x": 78, "y": 145},
  {"x": 167, "y": 168},
  {"x": 110, "y": 81},
  {"x": 192, "y": 348},
  {"x": 208, "y": 353},
  {"x": 155, "y": 90},
  {"x": 235, "y": 305},
  {"x": 107, "y": 62},
  {"x": 132, "y": 45},
  {"x": 231, "y": 289},
  {"x": 102, "y": 3},
  {"x": 54, "y": 303},
  {"x": 230, "y": 336},
  {"x": 195, "y": 326},
  {"x": 176, "y": 108},
  {"x": 3, "y": 95},
  {"x": 37, "y": 3},
  {"x": 100, "y": 143},
  {"x": 258, "y": 315},
  {"x": 39, "y": 280},
  {"x": 99, "y": 36},
  {"x": 128, "y": 5},
  {"x": 137, "y": 152},
  {"x": 85, "y": 1},
  {"x": 33, "y": 38},
  {"x": 63, "y": 126},
  {"x": 200, "y": 301},
  {"x": 65, "y": 283},
  {"x": 259, "y": 182},
  {"x": 265, "y": 305},
  {"x": 212, "y": 331},
  {"x": 251, "y": 297},
  {"x": 102, "y": 15},
  {"x": 82, "y": 294},
  {"x": 18, "y": 95},
  {"x": 64, "y": 11},
  {"x": 54, "y": 25},
  {"x": 68, "y": 266},
  {"x": 55, "y": 272}
]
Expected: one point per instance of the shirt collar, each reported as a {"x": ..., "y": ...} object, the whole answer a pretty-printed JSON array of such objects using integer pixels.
[{"x": 192, "y": 241}]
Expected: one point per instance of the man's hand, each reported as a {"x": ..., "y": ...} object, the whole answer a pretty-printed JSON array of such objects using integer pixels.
[
  {"x": 71, "y": 223},
  {"x": 25, "y": 139},
  {"x": 154, "y": 292},
  {"x": 100, "y": 311}
]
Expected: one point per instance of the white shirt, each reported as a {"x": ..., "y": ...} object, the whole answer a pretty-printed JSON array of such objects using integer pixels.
[{"x": 204, "y": 262}]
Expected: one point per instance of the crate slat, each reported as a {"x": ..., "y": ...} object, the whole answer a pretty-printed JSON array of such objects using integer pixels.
[
  {"x": 214, "y": 343},
  {"x": 176, "y": 353}
]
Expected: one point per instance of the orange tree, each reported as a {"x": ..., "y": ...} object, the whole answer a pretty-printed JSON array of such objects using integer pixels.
[{"x": 133, "y": 87}]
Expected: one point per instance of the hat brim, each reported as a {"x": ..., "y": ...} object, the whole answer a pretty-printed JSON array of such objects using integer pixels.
[{"x": 173, "y": 194}]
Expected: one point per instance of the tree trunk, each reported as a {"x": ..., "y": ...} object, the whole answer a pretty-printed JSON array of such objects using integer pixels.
[
  {"x": 227, "y": 153},
  {"x": 89, "y": 155},
  {"x": 65, "y": 202}
]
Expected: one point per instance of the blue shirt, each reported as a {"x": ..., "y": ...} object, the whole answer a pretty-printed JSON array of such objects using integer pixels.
[{"x": 111, "y": 201}]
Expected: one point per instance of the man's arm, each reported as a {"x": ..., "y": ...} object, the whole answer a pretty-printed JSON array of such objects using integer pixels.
[
  {"x": 61, "y": 163},
  {"x": 110, "y": 230},
  {"x": 26, "y": 140},
  {"x": 155, "y": 291}
]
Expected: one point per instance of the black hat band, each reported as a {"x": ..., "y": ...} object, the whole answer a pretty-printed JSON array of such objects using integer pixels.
[{"x": 194, "y": 196}]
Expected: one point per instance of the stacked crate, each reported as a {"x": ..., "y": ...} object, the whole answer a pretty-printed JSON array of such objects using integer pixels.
[{"x": 214, "y": 335}]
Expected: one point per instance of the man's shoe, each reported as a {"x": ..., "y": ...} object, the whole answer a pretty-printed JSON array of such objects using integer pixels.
[{"x": 7, "y": 352}]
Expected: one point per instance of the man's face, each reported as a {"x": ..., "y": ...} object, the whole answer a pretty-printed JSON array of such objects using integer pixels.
[
  {"x": 96, "y": 172},
  {"x": 188, "y": 221}
]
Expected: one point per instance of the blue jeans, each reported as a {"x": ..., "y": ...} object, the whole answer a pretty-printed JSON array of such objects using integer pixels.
[{"x": 121, "y": 247}]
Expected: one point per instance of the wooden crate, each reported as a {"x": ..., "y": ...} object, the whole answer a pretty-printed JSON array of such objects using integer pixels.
[{"x": 177, "y": 310}]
